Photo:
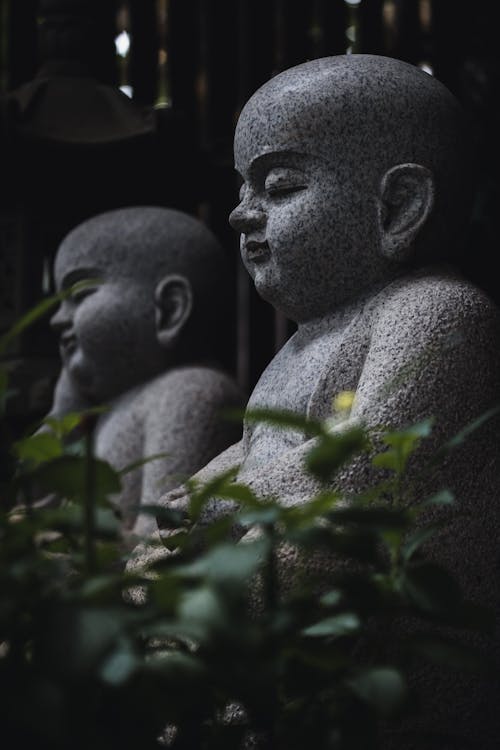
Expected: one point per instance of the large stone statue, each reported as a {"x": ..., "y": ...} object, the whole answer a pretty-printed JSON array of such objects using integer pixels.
[
  {"x": 355, "y": 196},
  {"x": 139, "y": 341}
]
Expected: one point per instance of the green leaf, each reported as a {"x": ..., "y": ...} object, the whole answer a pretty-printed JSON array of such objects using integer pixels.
[
  {"x": 353, "y": 544},
  {"x": 166, "y": 517},
  {"x": 63, "y": 426},
  {"x": 345, "y": 623},
  {"x": 107, "y": 524},
  {"x": 38, "y": 448},
  {"x": 4, "y": 385},
  {"x": 240, "y": 493},
  {"x": 334, "y": 450},
  {"x": 65, "y": 476},
  {"x": 264, "y": 515},
  {"x": 199, "y": 496},
  {"x": 284, "y": 418},
  {"x": 175, "y": 541},
  {"x": 441, "y": 499},
  {"x": 415, "y": 540},
  {"x": 374, "y": 518},
  {"x": 387, "y": 460},
  {"x": 99, "y": 587},
  {"x": 401, "y": 438},
  {"x": 141, "y": 462},
  {"x": 4, "y": 379},
  {"x": 166, "y": 591},
  {"x": 201, "y": 610},
  {"x": 80, "y": 638},
  {"x": 218, "y": 531},
  {"x": 308, "y": 512},
  {"x": 402, "y": 444},
  {"x": 40, "y": 310},
  {"x": 384, "y": 688},
  {"x": 392, "y": 539},
  {"x": 331, "y": 598},
  {"x": 229, "y": 564},
  {"x": 119, "y": 667},
  {"x": 461, "y": 436},
  {"x": 71, "y": 519},
  {"x": 31, "y": 317},
  {"x": 448, "y": 652}
]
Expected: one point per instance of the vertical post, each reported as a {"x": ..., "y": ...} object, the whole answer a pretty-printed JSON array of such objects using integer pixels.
[
  {"x": 123, "y": 44},
  {"x": 163, "y": 98},
  {"x": 22, "y": 28},
  {"x": 143, "y": 51},
  {"x": 353, "y": 28},
  {"x": 4, "y": 46},
  {"x": 184, "y": 56},
  {"x": 409, "y": 37},
  {"x": 371, "y": 36},
  {"x": 451, "y": 34},
  {"x": 332, "y": 21}
]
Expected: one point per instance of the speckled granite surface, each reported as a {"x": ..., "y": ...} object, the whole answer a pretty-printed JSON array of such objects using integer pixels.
[
  {"x": 355, "y": 195},
  {"x": 139, "y": 342}
]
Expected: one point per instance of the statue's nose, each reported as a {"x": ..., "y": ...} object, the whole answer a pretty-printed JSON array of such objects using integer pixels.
[
  {"x": 245, "y": 218},
  {"x": 61, "y": 318}
]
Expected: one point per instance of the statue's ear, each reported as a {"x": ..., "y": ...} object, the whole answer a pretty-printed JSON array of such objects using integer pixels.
[
  {"x": 406, "y": 202},
  {"x": 173, "y": 302}
]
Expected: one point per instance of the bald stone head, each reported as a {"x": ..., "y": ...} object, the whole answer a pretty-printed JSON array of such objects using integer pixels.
[
  {"x": 158, "y": 273},
  {"x": 353, "y": 166}
]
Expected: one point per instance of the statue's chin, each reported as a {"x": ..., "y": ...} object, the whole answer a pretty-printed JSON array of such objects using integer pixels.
[
  {"x": 267, "y": 284},
  {"x": 84, "y": 378},
  {"x": 278, "y": 298}
]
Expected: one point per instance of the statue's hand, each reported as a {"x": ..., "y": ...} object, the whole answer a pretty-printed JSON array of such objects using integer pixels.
[
  {"x": 67, "y": 397},
  {"x": 175, "y": 497},
  {"x": 213, "y": 509}
]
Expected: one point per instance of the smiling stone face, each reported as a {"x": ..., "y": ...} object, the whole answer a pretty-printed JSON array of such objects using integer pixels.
[
  {"x": 312, "y": 147},
  {"x": 106, "y": 330},
  {"x": 118, "y": 333}
]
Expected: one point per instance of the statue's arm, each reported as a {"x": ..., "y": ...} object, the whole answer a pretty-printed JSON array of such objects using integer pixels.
[
  {"x": 67, "y": 398},
  {"x": 422, "y": 348},
  {"x": 187, "y": 426},
  {"x": 425, "y": 353}
]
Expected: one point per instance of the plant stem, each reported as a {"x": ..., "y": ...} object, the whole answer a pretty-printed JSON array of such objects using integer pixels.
[
  {"x": 270, "y": 595},
  {"x": 271, "y": 574},
  {"x": 89, "y": 499}
]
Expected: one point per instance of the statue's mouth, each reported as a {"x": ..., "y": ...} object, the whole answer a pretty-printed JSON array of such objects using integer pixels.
[
  {"x": 67, "y": 345},
  {"x": 257, "y": 252}
]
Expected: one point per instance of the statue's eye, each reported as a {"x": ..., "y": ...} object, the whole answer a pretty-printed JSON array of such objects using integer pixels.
[
  {"x": 281, "y": 181},
  {"x": 83, "y": 288}
]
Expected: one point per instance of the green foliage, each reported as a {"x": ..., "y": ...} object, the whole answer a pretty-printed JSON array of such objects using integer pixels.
[
  {"x": 213, "y": 648},
  {"x": 401, "y": 445}
]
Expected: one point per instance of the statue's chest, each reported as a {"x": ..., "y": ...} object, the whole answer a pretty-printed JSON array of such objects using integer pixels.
[
  {"x": 119, "y": 441},
  {"x": 289, "y": 380},
  {"x": 119, "y": 436},
  {"x": 300, "y": 375}
]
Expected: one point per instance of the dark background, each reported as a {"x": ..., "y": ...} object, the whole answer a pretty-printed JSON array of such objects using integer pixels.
[{"x": 72, "y": 151}]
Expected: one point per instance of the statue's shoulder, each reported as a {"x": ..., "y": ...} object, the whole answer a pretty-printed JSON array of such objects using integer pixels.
[
  {"x": 433, "y": 299},
  {"x": 192, "y": 386}
]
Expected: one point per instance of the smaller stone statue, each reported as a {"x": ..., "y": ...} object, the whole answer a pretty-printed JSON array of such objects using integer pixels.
[{"x": 138, "y": 340}]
